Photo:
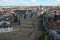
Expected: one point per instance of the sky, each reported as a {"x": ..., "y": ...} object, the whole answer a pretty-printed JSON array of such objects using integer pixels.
[{"x": 29, "y": 2}]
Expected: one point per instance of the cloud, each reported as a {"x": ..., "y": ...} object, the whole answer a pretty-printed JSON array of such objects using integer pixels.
[
  {"x": 33, "y": 0},
  {"x": 27, "y": 2},
  {"x": 7, "y": 2},
  {"x": 48, "y": 0},
  {"x": 57, "y": 1},
  {"x": 18, "y": 2}
]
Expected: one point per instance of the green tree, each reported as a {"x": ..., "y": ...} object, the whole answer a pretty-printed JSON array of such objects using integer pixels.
[
  {"x": 42, "y": 37},
  {"x": 50, "y": 37}
]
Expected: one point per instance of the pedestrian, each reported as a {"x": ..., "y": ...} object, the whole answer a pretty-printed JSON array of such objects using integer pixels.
[
  {"x": 15, "y": 17},
  {"x": 25, "y": 16},
  {"x": 31, "y": 15}
]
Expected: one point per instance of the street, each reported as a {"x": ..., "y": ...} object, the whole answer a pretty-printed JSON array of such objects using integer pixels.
[{"x": 18, "y": 35}]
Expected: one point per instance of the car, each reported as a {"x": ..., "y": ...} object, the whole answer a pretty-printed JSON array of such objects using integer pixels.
[{"x": 5, "y": 17}]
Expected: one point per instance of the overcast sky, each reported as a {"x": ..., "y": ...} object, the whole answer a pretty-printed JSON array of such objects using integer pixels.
[{"x": 29, "y": 2}]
